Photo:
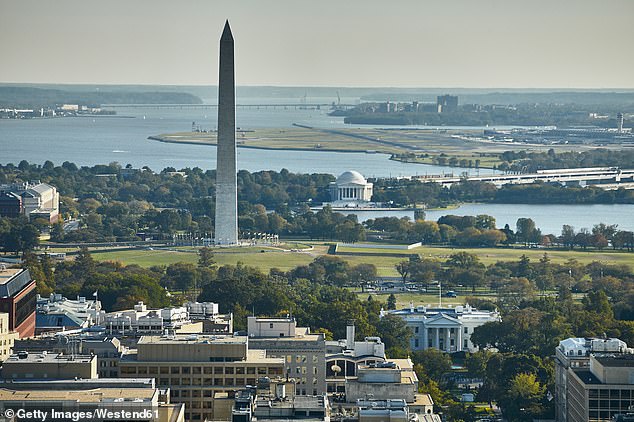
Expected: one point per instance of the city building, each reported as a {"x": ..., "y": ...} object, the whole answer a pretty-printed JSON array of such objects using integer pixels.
[
  {"x": 198, "y": 369},
  {"x": 446, "y": 329},
  {"x": 10, "y": 204},
  {"x": 447, "y": 103},
  {"x": 38, "y": 200},
  {"x": 274, "y": 400},
  {"x": 573, "y": 356},
  {"x": 619, "y": 122},
  {"x": 343, "y": 357},
  {"x": 213, "y": 321},
  {"x": 7, "y": 337},
  {"x": 304, "y": 353},
  {"x": 192, "y": 317},
  {"x": 57, "y": 313},
  {"x": 107, "y": 349},
  {"x": 226, "y": 216},
  {"x": 24, "y": 365},
  {"x": 349, "y": 188},
  {"x": 601, "y": 391},
  {"x": 91, "y": 395},
  {"x": 18, "y": 299}
]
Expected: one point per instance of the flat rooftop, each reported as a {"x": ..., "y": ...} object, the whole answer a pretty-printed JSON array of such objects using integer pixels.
[
  {"x": 80, "y": 396},
  {"x": 185, "y": 339},
  {"x": 8, "y": 273},
  {"x": 618, "y": 361},
  {"x": 13, "y": 280},
  {"x": 32, "y": 358}
]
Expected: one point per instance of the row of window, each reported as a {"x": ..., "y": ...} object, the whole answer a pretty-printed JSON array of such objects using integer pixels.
[
  {"x": 611, "y": 394},
  {"x": 197, "y": 370}
]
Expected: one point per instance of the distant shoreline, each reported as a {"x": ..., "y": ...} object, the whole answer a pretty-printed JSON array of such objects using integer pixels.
[{"x": 195, "y": 142}]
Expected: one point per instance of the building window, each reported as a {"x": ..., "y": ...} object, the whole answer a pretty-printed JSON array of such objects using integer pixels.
[
  {"x": 415, "y": 342},
  {"x": 466, "y": 330},
  {"x": 271, "y": 325}
]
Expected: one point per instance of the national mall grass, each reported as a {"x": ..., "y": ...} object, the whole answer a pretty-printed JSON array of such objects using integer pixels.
[{"x": 267, "y": 258}]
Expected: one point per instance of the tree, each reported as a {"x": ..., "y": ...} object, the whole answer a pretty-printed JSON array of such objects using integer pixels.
[
  {"x": 362, "y": 274},
  {"x": 403, "y": 269},
  {"x": 434, "y": 363},
  {"x": 206, "y": 257},
  {"x": 526, "y": 231},
  {"x": 485, "y": 222},
  {"x": 180, "y": 276},
  {"x": 391, "y": 301},
  {"x": 523, "y": 401},
  {"x": 396, "y": 335},
  {"x": 567, "y": 237}
]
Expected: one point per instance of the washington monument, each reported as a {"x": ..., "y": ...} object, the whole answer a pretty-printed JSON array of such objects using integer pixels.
[{"x": 226, "y": 230}]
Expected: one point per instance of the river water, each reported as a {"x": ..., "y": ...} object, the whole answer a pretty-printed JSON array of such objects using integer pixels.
[
  {"x": 101, "y": 140},
  {"x": 549, "y": 218}
]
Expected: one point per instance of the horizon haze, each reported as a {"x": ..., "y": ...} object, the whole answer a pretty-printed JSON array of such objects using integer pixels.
[{"x": 408, "y": 43}]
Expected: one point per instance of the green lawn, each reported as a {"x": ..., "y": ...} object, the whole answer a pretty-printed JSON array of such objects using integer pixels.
[
  {"x": 272, "y": 257},
  {"x": 249, "y": 255},
  {"x": 492, "y": 255}
]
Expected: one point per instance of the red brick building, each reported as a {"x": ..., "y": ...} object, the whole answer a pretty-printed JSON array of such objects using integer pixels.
[{"x": 18, "y": 298}]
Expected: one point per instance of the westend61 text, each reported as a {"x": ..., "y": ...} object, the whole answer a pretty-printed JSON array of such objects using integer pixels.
[{"x": 77, "y": 416}]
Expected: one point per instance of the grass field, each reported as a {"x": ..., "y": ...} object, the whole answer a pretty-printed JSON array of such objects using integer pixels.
[
  {"x": 492, "y": 255},
  {"x": 285, "y": 260},
  {"x": 251, "y": 256}
]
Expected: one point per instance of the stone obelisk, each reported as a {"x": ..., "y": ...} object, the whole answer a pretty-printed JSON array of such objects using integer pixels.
[{"x": 226, "y": 230}]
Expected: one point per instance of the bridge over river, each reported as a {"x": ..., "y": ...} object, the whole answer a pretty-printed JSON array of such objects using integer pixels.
[{"x": 609, "y": 178}]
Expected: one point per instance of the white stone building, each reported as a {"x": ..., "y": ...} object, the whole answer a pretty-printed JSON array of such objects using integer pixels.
[
  {"x": 349, "y": 188},
  {"x": 446, "y": 329}
]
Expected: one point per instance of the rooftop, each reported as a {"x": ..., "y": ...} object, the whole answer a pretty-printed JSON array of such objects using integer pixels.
[
  {"x": 82, "y": 396},
  {"x": 616, "y": 361},
  {"x": 193, "y": 339},
  {"x": 7, "y": 274},
  {"x": 48, "y": 358},
  {"x": 13, "y": 280}
]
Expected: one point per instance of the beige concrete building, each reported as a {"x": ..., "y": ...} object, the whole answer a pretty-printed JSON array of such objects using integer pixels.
[
  {"x": 304, "y": 353},
  {"x": 602, "y": 390},
  {"x": 49, "y": 366},
  {"x": 575, "y": 353},
  {"x": 7, "y": 337},
  {"x": 199, "y": 369},
  {"x": 142, "y": 403}
]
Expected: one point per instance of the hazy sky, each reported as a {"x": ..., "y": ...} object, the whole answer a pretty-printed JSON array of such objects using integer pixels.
[{"x": 414, "y": 43}]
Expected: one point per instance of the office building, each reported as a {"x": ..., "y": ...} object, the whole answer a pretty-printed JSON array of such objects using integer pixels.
[
  {"x": 7, "y": 337},
  {"x": 57, "y": 313},
  {"x": 343, "y": 357},
  {"x": 304, "y": 353},
  {"x": 447, "y": 103},
  {"x": 199, "y": 369},
  {"x": 24, "y": 365},
  {"x": 92, "y": 395},
  {"x": 18, "y": 299},
  {"x": 594, "y": 379},
  {"x": 37, "y": 200}
]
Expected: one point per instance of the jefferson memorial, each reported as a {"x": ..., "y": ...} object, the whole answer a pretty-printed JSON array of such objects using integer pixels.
[{"x": 350, "y": 187}]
